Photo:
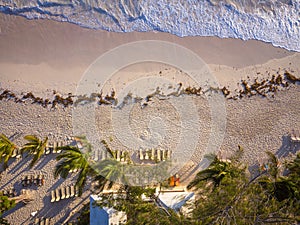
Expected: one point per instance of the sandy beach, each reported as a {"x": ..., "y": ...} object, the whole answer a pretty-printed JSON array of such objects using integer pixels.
[{"x": 40, "y": 56}]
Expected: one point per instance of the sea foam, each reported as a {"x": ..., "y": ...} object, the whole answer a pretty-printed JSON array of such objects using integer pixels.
[{"x": 274, "y": 21}]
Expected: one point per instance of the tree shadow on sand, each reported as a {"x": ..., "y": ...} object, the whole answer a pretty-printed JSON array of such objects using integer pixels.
[{"x": 287, "y": 147}]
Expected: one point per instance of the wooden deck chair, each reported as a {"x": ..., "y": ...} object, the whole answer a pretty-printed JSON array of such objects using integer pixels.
[
  {"x": 72, "y": 191},
  {"x": 141, "y": 154},
  {"x": 57, "y": 194},
  {"x": 63, "y": 195},
  {"x": 47, "y": 221},
  {"x": 53, "y": 196},
  {"x": 67, "y": 191}
]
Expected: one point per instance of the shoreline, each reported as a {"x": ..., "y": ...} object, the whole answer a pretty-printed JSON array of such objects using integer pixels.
[{"x": 41, "y": 56}]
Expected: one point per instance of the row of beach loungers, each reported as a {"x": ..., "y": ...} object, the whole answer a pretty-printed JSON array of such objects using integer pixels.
[
  {"x": 42, "y": 221},
  {"x": 154, "y": 154},
  {"x": 121, "y": 156},
  {"x": 37, "y": 180},
  {"x": 64, "y": 193},
  {"x": 295, "y": 136},
  {"x": 9, "y": 193},
  {"x": 51, "y": 147}
]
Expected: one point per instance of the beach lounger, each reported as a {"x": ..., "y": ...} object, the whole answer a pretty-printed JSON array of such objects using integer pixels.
[
  {"x": 122, "y": 156},
  {"x": 23, "y": 181},
  {"x": 35, "y": 179},
  {"x": 72, "y": 191},
  {"x": 11, "y": 193},
  {"x": 96, "y": 155},
  {"x": 47, "y": 149},
  {"x": 28, "y": 180},
  {"x": 59, "y": 144},
  {"x": 63, "y": 195},
  {"x": 168, "y": 154},
  {"x": 118, "y": 153},
  {"x": 47, "y": 221},
  {"x": 39, "y": 180},
  {"x": 36, "y": 221},
  {"x": 103, "y": 155},
  {"x": 67, "y": 189},
  {"x": 76, "y": 191},
  {"x": 42, "y": 221},
  {"x": 163, "y": 155},
  {"x": 141, "y": 154},
  {"x": 158, "y": 155},
  {"x": 53, "y": 196},
  {"x": 57, "y": 194},
  {"x": 152, "y": 154},
  {"x": 146, "y": 155},
  {"x": 54, "y": 147},
  {"x": 15, "y": 152}
]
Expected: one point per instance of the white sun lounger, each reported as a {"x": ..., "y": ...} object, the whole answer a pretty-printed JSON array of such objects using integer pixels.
[
  {"x": 63, "y": 195},
  {"x": 15, "y": 152},
  {"x": 53, "y": 196},
  {"x": 72, "y": 191},
  {"x": 122, "y": 156},
  {"x": 36, "y": 221},
  {"x": 118, "y": 155},
  {"x": 67, "y": 190},
  {"x": 47, "y": 221},
  {"x": 141, "y": 154},
  {"x": 42, "y": 221},
  {"x": 146, "y": 155},
  {"x": 57, "y": 195},
  {"x": 168, "y": 154},
  {"x": 59, "y": 144},
  {"x": 163, "y": 154},
  {"x": 158, "y": 155},
  {"x": 54, "y": 147},
  {"x": 152, "y": 154}
]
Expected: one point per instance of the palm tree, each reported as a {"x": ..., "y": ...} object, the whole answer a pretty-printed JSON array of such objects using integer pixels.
[
  {"x": 280, "y": 187},
  {"x": 70, "y": 159},
  {"x": 216, "y": 172},
  {"x": 35, "y": 147},
  {"x": 6, "y": 150}
]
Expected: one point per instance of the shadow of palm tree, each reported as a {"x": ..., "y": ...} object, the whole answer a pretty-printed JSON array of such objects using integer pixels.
[
  {"x": 45, "y": 160},
  {"x": 287, "y": 147}
]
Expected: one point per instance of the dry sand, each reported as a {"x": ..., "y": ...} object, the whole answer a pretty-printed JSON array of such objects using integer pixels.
[{"x": 41, "y": 56}]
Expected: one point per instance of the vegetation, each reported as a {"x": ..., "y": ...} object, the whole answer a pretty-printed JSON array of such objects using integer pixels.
[
  {"x": 34, "y": 147},
  {"x": 5, "y": 204},
  {"x": 6, "y": 150},
  {"x": 225, "y": 192}
]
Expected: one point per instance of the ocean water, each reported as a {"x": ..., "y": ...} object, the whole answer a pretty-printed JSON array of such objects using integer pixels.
[{"x": 274, "y": 21}]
